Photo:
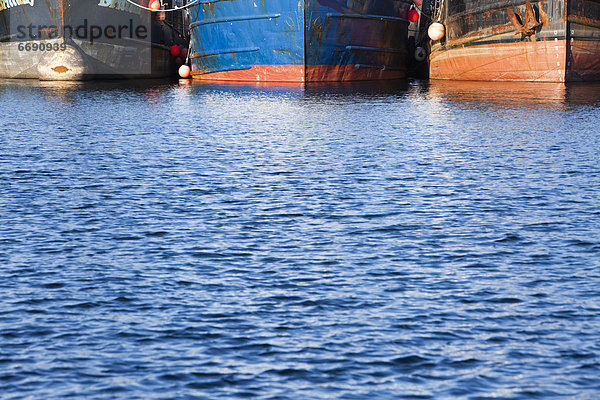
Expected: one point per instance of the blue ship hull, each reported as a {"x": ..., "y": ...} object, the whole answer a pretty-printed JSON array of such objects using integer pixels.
[{"x": 299, "y": 40}]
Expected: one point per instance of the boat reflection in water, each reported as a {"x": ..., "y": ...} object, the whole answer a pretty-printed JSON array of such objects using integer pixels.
[
  {"x": 455, "y": 93},
  {"x": 351, "y": 88},
  {"x": 518, "y": 94}
]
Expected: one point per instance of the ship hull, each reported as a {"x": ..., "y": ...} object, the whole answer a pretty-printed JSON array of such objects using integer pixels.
[
  {"x": 298, "y": 41},
  {"x": 482, "y": 43},
  {"x": 90, "y": 64},
  {"x": 57, "y": 40}
]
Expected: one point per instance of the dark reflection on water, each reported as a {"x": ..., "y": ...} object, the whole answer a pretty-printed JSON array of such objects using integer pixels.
[
  {"x": 394, "y": 240},
  {"x": 517, "y": 93}
]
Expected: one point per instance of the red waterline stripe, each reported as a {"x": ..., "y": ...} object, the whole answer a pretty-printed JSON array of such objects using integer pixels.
[
  {"x": 296, "y": 74},
  {"x": 257, "y": 73}
]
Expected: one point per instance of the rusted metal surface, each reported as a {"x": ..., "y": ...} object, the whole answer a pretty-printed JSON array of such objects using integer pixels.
[
  {"x": 61, "y": 69},
  {"x": 532, "y": 22},
  {"x": 584, "y": 21},
  {"x": 584, "y": 12},
  {"x": 584, "y": 30},
  {"x": 550, "y": 40},
  {"x": 527, "y": 61}
]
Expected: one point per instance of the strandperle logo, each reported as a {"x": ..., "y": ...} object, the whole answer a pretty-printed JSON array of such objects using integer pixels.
[
  {"x": 84, "y": 31},
  {"x": 6, "y": 4}
]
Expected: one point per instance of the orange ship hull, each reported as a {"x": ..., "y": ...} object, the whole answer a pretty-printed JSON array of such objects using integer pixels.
[
  {"x": 547, "y": 41},
  {"x": 530, "y": 61}
]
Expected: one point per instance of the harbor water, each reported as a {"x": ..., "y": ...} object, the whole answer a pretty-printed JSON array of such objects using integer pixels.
[{"x": 404, "y": 240}]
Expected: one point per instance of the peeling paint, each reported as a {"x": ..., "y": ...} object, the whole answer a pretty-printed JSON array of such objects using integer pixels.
[{"x": 61, "y": 69}]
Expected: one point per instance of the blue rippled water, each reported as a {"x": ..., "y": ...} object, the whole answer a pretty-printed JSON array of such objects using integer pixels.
[{"x": 411, "y": 240}]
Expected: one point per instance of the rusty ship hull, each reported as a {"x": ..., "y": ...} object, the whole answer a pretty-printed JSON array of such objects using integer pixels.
[
  {"x": 547, "y": 41},
  {"x": 298, "y": 41},
  {"x": 85, "y": 39}
]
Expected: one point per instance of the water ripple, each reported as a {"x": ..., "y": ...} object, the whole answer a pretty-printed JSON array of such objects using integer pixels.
[{"x": 404, "y": 241}]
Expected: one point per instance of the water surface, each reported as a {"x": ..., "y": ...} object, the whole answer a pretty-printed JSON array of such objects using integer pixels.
[{"x": 405, "y": 240}]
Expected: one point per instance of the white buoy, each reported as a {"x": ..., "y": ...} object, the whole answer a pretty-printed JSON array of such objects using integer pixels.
[
  {"x": 436, "y": 31},
  {"x": 420, "y": 54},
  {"x": 184, "y": 71}
]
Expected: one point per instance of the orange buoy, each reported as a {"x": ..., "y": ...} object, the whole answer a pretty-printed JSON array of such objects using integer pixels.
[
  {"x": 154, "y": 5},
  {"x": 418, "y": 3}
]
